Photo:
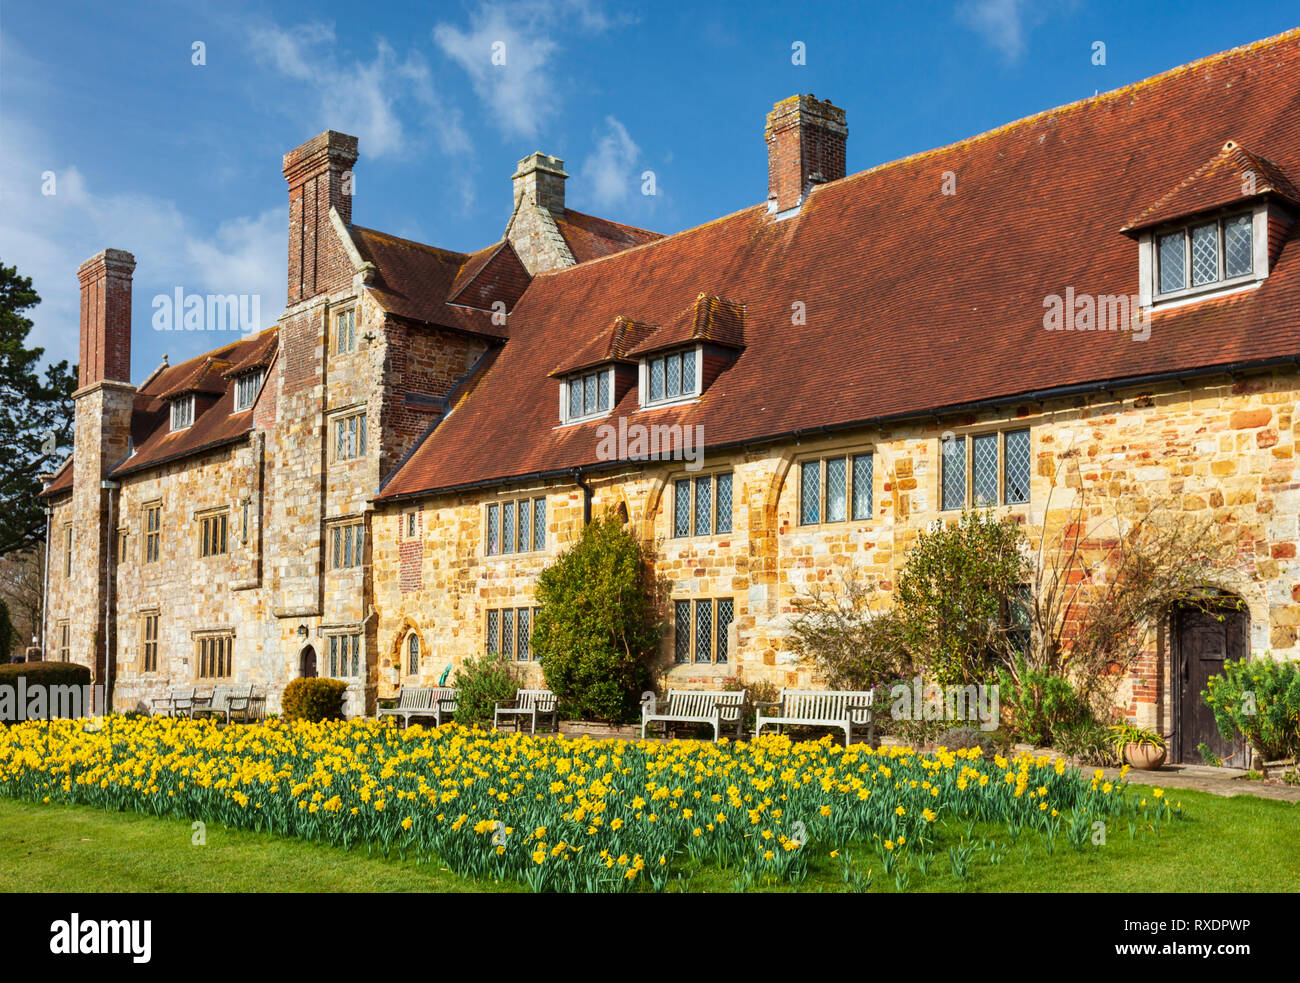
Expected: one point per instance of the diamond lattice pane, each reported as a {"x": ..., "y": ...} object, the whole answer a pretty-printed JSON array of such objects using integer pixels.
[
  {"x": 523, "y": 541},
  {"x": 673, "y": 369},
  {"x": 539, "y": 524},
  {"x": 1173, "y": 267},
  {"x": 657, "y": 379},
  {"x": 682, "y": 508},
  {"x": 723, "y": 523},
  {"x": 703, "y": 507},
  {"x": 862, "y": 478},
  {"x": 575, "y": 398},
  {"x": 521, "y": 630},
  {"x": 1237, "y": 246},
  {"x": 986, "y": 469},
  {"x": 589, "y": 394},
  {"x": 1205, "y": 253},
  {"x": 493, "y": 531},
  {"x": 507, "y": 527},
  {"x": 837, "y": 489},
  {"x": 682, "y": 632},
  {"x": 954, "y": 473},
  {"x": 1017, "y": 465},
  {"x": 726, "y": 610},
  {"x": 688, "y": 371},
  {"x": 493, "y": 630},
  {"x": 810, "y": 493},
  {"x": 602, "y": 391},
  {"x": 703, "y": 631},
  {"x": 508, "y": 631}
]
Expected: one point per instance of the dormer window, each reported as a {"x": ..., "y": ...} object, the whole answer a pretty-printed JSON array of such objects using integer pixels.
[
  {"x": 1204, "y": 255},
  {"x": 672, "y": 377},
  {"x": 588, "y": 395},
  {"x": 182, "y": 412},
  {"x": 246, "y": 388}
]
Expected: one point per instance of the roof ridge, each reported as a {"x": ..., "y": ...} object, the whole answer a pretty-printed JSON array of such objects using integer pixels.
[
  {"x": 419, "y": 245},
  {"x": 1110, "y": 95}
]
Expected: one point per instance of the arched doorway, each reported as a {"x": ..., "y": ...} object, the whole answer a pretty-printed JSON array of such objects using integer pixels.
[
  {"x": 1204, "y": 635},
  {"x": 307, "y": 662}
]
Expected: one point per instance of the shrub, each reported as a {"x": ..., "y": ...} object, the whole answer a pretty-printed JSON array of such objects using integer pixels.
[
  {"x": 1258, "y": 699},
  {"x": 46, "y": 674},
  {"x": 598, "y": 627},
  {"x": 852, "y": 646},
  {"x": 968, "y": 737},
  {"x": 1085, "y": 740},
  {"x": 313, "y": 699},
  {"x": 1039, "y": 703},
  {"x": 757, "y": 691},
  {"x": 480, "y": 684}
]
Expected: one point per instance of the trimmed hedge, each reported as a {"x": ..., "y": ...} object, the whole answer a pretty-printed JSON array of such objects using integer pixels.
[
  {"x": 313, "y": 699},
  {"x": 37, "y": 674}
]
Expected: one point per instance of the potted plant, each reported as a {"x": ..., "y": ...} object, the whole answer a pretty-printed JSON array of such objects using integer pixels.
[{"x": 1141, "y": 747}]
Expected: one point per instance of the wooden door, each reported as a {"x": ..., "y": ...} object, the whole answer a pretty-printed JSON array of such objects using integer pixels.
[
  {"x": 1204, "y": 640},
  {"x": 308, "y": 662}
]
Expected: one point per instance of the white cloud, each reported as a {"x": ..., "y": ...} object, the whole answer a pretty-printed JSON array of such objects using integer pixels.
[
  {"x": 522, "y": 89},
  {"x": 368, "y": 99},
  {"x": 1003, "y": 23},
  {"x": 610, "y": 174}
]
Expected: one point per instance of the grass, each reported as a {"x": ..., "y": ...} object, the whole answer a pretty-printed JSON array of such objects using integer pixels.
[{"x": 1238, "y": 844}]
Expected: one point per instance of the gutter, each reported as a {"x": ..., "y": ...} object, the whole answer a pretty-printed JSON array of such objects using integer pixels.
[
  {"x": 586, "y": 495},
  {"x": 1034, "y": 395}
]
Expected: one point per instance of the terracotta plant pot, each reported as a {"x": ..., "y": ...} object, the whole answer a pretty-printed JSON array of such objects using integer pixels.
[{"x": 1145, "y": 757}]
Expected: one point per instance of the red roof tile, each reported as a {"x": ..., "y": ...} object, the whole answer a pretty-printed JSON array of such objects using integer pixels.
[
  {"x": 710, "y": 318},
  {"x": 913, "y": 300},
  {"x": 611, "y": 344},
  {"x": 1233, "y": 174},
  {"x": 590, "y": 237}
]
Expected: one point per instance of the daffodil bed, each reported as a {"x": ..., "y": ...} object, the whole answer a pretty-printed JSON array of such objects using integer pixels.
[{"x": 567, "y": 815}]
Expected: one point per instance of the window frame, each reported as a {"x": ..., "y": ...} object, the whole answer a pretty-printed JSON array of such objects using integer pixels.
[
  {"x": 149, "y": 642},
  {"x": 414, "y": 652},
  {"x": 151, "y": 541},
  {"x": 1151, "y": 293},
  {"x": 65, "y": 640},
  {"x": 566, "y": 415},
  {"x": 849, "y": 456},
  {"x": 494, "y": 638},
  {"x": 334, "y": 647},
  {"x": 645, "y": 372},
  {"x": 1001, "y": 477},
  {"x": 716, "y": 630},
  {"x": 498, "y": 508},
  {"x": 185, "y": 406},
  {"x": 215, "y": 650},
  {"x": 214, "y": 521},
  {"x": 356, "y": 443},
  {"x": 247, "y": 386},
  {"x": 347, "y": 537},
  {"x": 67, "y": 550},
  {"x": 692, "y": 481},
  {"x": 348, "y": 314}
]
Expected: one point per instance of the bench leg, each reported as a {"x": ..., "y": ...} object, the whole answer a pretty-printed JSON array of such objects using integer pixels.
[{"x": 848, "y": 733}]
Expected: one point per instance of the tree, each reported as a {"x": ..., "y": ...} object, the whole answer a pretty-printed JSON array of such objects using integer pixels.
[
  {"x": 958, "y": 596},
  {"x": 854, "y": 646},
  {"x": 599, "y": 626},
  {"x": 35, "y": 415},
  {"x": 20, "y": 591}
]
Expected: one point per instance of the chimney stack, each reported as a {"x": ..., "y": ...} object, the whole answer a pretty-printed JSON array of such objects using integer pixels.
[
  {"x": 320, "y": 177},
  {"x": 540, "y": 177},
  {"x": 105, "y": 317},
  {"x": 805, "y": 146}
]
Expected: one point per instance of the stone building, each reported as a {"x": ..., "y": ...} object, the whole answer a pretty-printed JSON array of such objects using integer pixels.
[{"x": 1092, "y": 308}]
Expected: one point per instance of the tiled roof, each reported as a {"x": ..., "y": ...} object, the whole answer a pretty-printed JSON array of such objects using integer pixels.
[
  {"x": 1231, "y": 175},
  {"x": 214, "y": 422},
  {"x": 710, "y": 318},
  {"x": 591, "y": 238},
  {"x": 62, "y": 481},
  {"x": 611, "y": 344},
  {"x": 912, "y": 300}
]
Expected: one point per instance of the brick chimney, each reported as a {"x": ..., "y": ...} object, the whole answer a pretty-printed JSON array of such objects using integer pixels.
[
  {"x": 541, "y": 177},
  {"x": 320, "y": 177},
  {"x": 105, "y": 317},
  {"x": 805, "y": 146}
]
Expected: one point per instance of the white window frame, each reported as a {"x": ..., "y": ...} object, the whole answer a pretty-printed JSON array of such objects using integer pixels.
[
  {"x": 580, "y": 377},
  {"x": 1149, "y": 260},
  {"x": 247, "y": 386},
  {"x": 643, "y": 378},
  {"x": 182, "y": 412}
]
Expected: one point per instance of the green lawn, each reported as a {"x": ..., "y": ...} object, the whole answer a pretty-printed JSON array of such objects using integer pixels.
[{"x": 1239, "y": 844}]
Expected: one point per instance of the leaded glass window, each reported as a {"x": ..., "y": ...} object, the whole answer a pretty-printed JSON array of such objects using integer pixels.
[
  {"x": 688, "y": 371},
  {"x": 726, "y": 611},
  {"x": 837, "y": 490},
  {"x": 810, "y": 493},
  {"x": 984, "y": 449},
  {"x": 1205, "y": 254},
  {"x": 954, "y": 473},
  {"x": 862, "y": 486},
  {"x": 522, "y": 541},
  {"x": 575, "y": 400},
  {"x": 507, "y": 526},
  {"x": 703, "y": 631},
  {"x": 682, "y": 507},
  {"x": 656, "y": 379},
  {"x": 1016, "y": 462},
  {"x": 673, "y": 372},
  {"x": 413, "y": 654},
  {"x": 522, "y": 620},
  {"x": 539, "y": 523},
  {"x": 1237, "y": 245},
  {"x": 1173, "y": 267},
  {"x": 493, "y": 630},
  {"x": 722, "y": 521},
  {"x": 672, "y": 376},
  {"x": 508, "y": 631},
  {"x": 703, "y": 507},
  {"x": 682, "y": 631},
  {"x": 493, "y": 530}
]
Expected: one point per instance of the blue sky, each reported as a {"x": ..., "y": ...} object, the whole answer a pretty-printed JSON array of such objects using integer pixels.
[{"x": 180, "y": 163}]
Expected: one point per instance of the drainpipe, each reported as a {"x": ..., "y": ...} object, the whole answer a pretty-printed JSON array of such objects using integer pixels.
[
  {"x": 110, "y": 487},
  {"x": 586, "y": 495},
  {"x": 45, "y": 579}
]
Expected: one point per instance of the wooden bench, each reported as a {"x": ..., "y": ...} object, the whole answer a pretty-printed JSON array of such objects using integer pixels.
[
  {"x": 696, "y": 706},
  {"x": 228, "y": 702},
  {"x": 422, "y": 701},
  {"x": 177, "y": 703},
  {"x": 843, "y": 709},
  {"x": 529, "y": 704}
]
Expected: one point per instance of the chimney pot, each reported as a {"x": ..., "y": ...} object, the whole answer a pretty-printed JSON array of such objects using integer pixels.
[{"x": 806, "y": 139}]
